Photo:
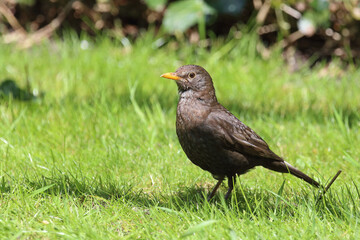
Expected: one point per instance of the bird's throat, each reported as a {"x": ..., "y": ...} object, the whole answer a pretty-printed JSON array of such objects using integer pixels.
[{"x": 191, "y": 96}]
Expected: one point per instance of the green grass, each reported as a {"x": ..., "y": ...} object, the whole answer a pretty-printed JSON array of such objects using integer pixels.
[{"x": 98, "y": 157}]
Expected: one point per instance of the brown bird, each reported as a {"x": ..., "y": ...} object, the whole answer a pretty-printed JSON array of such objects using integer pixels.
[{"x": 213, "y": 138}]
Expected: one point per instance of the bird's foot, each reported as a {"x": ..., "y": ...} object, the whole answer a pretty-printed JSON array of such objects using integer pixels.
[
  {"x": 214, "y": 190},
  {"x": 227, "y": 195}
]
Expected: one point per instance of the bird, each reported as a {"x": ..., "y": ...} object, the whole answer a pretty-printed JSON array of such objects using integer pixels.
[{"x": 213, "y": 138}]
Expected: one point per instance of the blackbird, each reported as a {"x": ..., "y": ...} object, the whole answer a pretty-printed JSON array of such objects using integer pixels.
[{"x": 213, "y": 138}]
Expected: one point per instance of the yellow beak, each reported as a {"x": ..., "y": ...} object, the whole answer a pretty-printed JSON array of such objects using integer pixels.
[{"x": 170, "y": 75}]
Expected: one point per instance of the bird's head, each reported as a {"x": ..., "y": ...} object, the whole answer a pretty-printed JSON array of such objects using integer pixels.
[{"x": 193, "y": 80}]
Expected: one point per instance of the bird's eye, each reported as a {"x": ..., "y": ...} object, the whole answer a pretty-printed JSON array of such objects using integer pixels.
[{"x": 192, "y": 75}]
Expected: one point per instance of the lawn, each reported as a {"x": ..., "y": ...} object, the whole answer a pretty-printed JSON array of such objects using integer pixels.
[{"x": 97, "y": 156}]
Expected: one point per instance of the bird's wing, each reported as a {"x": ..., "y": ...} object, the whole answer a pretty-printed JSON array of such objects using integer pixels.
[{"x": 236, "y": 136}]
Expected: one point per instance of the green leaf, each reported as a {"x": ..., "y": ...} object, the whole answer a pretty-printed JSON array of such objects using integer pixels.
[
  {"x": 198, "y": 227},
  {"x": 26, "y": 2},
  {"x": 156, "y": 5},
  {"x": 41, "y": 190},
  {"x": 181, "y": 15}
]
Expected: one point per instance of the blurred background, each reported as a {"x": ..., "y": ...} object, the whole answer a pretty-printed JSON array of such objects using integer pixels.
[
  {"x": 88, "y": 147},
  {"x": 302, "y": 29}
]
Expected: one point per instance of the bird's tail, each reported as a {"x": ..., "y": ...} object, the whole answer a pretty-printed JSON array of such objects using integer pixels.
[{"x": 285, "y": 167}]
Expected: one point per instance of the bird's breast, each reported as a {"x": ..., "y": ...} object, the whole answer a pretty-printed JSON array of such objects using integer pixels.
[
  {"x": 191, "y": 114},
  {"x": 193, "y": 133}
]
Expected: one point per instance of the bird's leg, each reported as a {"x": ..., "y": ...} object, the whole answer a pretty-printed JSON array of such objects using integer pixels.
[
  {"x": 231, "y": 181},
  {"x": 215, "y": 189}
]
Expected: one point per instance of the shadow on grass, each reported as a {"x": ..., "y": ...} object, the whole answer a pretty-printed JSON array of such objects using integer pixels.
[
  {"x": 258, "y": 202},
  {"x": 244, "y": 201},
  {"x": 10, "y": 89}
]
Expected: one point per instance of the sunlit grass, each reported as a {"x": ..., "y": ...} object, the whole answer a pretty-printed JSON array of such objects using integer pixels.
[{"x": 98, "y": 157}]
